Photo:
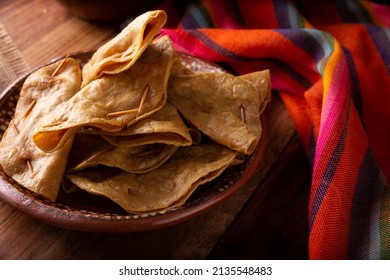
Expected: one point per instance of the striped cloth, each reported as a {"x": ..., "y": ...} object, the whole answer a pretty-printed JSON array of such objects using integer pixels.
[{"x": 330, "y": 63}]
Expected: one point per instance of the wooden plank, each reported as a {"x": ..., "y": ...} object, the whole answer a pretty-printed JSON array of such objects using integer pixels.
[
  {"x": 43, "y": 30},
  {"x": 28, "y": 20},
  {"x": 273, "y": 224},
  {"x": 72, "y": 35},
  {"x": 11, "y": 61}
]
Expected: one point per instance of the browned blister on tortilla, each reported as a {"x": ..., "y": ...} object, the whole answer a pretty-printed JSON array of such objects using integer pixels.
[{"x": 42, "y": 92}]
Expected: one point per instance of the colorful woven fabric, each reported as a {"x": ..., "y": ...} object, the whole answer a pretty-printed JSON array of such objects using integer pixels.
[{"x": 330, "y": 63}]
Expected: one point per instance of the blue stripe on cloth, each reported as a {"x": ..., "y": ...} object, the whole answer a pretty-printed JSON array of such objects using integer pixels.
[
  {"x": 311, "y": 148},
  {"x": 298, "y": 77},
  {"x": 281, "y": 13},
  {"x": 361, "y": 212},
  {"x": 287, "y": 14},
  {"x": 355, "y": 84},
  {"x": 301, "y": 79},
  {"x": 378, "y": 247},
  {"x": 318, "y": 44},
  {"x": 189, "y": 21},
  {"x": 382, "y": 43},
  {"x": 352, "y": 12},
  {"x": 196, "y": 16},
  {"x": 328, "y": 175},
  {"x": 308, "y": 40}
]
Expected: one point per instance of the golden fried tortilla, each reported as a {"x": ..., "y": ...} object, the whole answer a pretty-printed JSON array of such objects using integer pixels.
[
  {"x": 163, "y": 188},
  {"x": 164, "y": 126},
  {"x": 86, "y": 145},
  {"x": 41, "y": 94},
  {"x": 120, "y": 53},
  {"x": 262, "y": 81},
  {"x": 91, "y": 150},
  {"x": 112, "y": 102},
  {"x": 137, "y": 149},
  {"x": 224, "y": 107}
]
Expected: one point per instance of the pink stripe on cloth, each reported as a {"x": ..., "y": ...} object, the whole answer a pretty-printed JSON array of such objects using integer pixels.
[
  {"x": 224, "y": 19},
  {"x": 186, "y": 43},
  {"x": 334, "y": 103},
  {"x": 382, "y": 13}
]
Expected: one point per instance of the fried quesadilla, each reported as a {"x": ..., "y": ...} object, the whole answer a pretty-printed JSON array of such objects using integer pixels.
[
  {"x": 139, "y": 148},
  {"x": 222, "y": 106},
  {"x": 162, "y": 188},
  {"x": 91, "y": 150},
  {"x": 43, "y": 91},
  {"x": 121, "y": 52},
  {"x": 164, "y": 126},
  {"x": 113, "y": 102}
]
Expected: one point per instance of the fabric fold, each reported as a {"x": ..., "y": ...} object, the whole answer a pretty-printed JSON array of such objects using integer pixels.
[{"x": 329, "y": 62}]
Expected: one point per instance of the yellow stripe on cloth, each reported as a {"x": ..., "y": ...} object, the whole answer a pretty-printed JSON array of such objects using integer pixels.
[{"x": 330, "y": 68}]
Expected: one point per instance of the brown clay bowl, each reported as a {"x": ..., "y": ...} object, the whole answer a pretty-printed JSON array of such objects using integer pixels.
[{"x": 86, "y": 212}]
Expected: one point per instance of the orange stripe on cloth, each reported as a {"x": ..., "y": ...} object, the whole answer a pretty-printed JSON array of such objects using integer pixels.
[
  {"x": 306, "y": 112},
  {"x": 334, "y": 213},
  {"x": 265, "y": 44},
  {"x": 374, "y": 89}
]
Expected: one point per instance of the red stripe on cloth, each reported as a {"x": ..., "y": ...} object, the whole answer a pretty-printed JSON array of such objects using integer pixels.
[
  {"x": 306, "y": 111},
  {"x": 187, "y": 43},
  {"x": 253, "y": 46},
  {"x": 258, "y": 14},
  {"x": 375, "y": 88},
  {"x": 319, "y": 13},
  {"x": 335, "y": 211}
]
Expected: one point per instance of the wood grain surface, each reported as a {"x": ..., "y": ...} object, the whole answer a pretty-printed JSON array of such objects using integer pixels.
[{"x": 267, "y": 219}]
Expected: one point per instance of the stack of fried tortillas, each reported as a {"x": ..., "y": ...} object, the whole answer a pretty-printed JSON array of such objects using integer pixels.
[{"x": 132, "y": 124}]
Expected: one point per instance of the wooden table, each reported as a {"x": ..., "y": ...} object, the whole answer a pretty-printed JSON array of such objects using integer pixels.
[{"x": 267, "y": 219}]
